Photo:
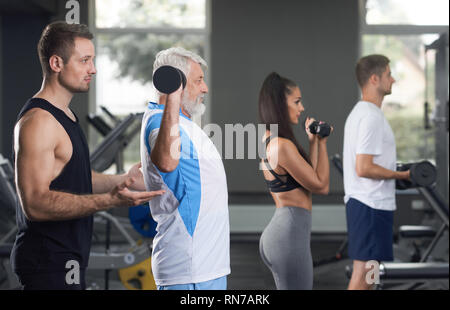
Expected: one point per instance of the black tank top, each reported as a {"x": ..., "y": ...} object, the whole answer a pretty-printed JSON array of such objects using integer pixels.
[
  {"x": 281, "y": 183},
  {"x": 48, "y": 246}
]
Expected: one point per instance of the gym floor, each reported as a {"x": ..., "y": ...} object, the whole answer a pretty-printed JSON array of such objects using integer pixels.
[{"x": 248, "y": 271}]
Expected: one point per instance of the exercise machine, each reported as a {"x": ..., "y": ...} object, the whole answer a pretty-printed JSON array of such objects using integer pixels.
[
  {"x": 8, "y": 201},
  {"x": 428, "y": 268},
  {"x": 116, "y": 139}
]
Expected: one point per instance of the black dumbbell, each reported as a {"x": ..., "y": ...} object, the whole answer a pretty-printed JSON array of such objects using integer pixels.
[
  {"x": 422, "y": 174},
  {"x": 321, "y": 129},
  {"x": 168, "y": 79}
]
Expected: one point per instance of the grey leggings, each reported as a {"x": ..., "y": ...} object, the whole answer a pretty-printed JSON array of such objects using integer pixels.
[{"x": 285, "y": 248}]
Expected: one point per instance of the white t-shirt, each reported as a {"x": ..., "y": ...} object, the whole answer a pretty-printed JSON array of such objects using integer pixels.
[
  {"x": 368, "y": 132},
  {"x": 192, "y": 243}
]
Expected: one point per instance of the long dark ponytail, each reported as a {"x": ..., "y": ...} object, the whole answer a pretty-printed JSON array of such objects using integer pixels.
[{"x": 273, "y": 107}]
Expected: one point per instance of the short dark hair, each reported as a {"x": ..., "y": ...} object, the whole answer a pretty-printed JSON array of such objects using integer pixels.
[
  {"x": 368, "y": 65},
  {"x": 58, "y": 38}
]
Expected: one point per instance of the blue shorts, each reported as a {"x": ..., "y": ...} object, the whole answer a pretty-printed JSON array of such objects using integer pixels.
[
  {"x": 370, "y": 232},
  {"x": 215, "y": 284}
]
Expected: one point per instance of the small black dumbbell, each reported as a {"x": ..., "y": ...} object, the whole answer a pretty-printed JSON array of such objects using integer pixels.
[
  {"x": 168, "y": 79},
  {"x": 321, "y": 129},
  {"x": 422, "y": 174}
]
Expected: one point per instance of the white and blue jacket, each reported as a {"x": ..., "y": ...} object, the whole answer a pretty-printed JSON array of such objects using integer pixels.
[{"x": 192, "y": 243}]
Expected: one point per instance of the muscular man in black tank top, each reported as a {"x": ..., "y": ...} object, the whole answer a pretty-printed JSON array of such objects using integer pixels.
[{"x": 58, "y": 191}]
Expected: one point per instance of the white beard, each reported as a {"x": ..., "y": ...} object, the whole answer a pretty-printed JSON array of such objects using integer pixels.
[{"x": 193, "y": 108}]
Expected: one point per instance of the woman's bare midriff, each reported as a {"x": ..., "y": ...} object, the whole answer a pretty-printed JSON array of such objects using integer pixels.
[{"x": 297, "y": 197}]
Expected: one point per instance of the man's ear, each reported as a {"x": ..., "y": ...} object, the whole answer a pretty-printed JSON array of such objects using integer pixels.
[
  {"x": 56, "y": 63},
  {"x": 374, "y": 79}
]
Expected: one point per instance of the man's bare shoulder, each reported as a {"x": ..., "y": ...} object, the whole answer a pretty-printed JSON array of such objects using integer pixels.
[
  {"x": 37, "y": 124},
  {"x": 37, "y": 117}
]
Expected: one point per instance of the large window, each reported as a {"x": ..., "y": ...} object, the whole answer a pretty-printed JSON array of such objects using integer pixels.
[
  {"x": 407, "y": 12},
  {"x": 128, "y": 35},
  {"x": 125, "y": 66},
  {"x": 401, "y": 30}
]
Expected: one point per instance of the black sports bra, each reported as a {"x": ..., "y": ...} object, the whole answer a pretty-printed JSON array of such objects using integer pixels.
[{"x": 282, "y": 183}]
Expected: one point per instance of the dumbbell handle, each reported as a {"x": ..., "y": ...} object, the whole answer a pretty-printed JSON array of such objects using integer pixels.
[{"x": 321, "y": 129}]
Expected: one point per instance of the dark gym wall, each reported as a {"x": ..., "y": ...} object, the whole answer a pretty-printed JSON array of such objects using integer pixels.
[
  {"x": 314, "y": 43},
  {"x": 1, "y": 91},
  {"x": 21, "y": 24},
  {"x": 21, "y": 72}
]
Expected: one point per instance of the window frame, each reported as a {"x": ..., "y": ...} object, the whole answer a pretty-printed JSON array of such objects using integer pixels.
[
  {"x": 206, "y": 32},
  {"x": 393, "y": 29}
]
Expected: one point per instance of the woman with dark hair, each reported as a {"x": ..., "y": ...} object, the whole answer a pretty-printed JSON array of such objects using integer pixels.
[{"x": 291, "y": 176}]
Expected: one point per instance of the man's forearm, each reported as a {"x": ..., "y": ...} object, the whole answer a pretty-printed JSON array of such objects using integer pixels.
[
  {"x": 104, "y": 183},
  {"x": 378, "y": 172},
  {"x": 166, "y": 152},
  {"x": 57, "y": 206}
]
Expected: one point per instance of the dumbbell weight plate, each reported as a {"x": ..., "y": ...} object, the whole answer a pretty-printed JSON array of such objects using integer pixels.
[
  {"x": 168, "y": 79},
  {"x": 423, "y": 174}
]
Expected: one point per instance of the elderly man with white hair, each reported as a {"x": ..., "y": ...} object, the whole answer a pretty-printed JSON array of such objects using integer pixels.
[{"x": 191, "y": 249}]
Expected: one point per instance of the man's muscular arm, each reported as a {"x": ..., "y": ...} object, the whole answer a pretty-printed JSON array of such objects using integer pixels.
[
  {"x": 166, "y": 151},
  {"x": 36, "y": 139}
]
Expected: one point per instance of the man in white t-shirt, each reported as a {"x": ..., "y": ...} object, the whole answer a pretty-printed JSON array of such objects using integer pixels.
[
  {"x": 370, "y": 171},
  {"x": 191, "y": 249}
]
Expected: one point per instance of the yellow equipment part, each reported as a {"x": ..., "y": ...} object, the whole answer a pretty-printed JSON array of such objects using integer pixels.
[{"x": 138, "y": 277}]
